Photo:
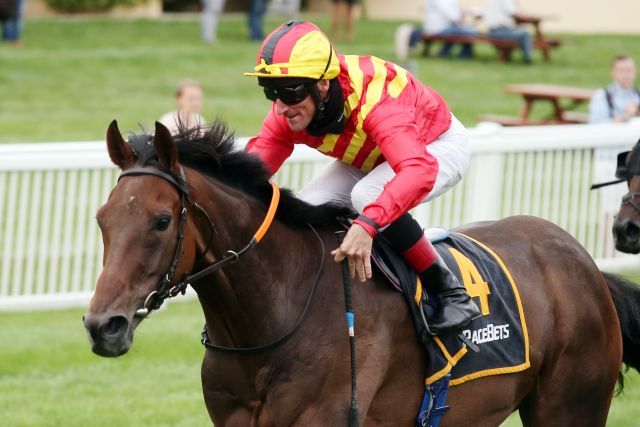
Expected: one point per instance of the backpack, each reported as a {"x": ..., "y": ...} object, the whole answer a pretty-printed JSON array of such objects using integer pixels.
[{"x": 607, "y": 94}]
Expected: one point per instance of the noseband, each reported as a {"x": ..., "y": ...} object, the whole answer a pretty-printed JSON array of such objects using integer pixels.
[
  {"x": 164, "y": 290},
  {"x": 627, "y": 199}
]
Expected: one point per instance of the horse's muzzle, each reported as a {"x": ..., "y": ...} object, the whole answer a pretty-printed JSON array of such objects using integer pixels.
[
  {"x": 109, "y": 335},
  {"x": 626, "y": 234}
]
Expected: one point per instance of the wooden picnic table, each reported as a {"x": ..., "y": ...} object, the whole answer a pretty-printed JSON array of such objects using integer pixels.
[
  {"x": 539, "y": 40},
  {"x": 562, "y": 98}
]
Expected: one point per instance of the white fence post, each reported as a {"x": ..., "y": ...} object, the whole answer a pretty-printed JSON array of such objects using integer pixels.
[{"x": 485, "y": 177}]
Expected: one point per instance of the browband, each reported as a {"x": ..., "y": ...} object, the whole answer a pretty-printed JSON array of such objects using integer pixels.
[{"x": 159, "y": 173}]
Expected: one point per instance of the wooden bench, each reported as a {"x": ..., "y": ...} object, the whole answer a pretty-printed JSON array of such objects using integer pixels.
[
  {"x": 575, "y": 117},
  {"x": 504, "y": 47},
  {"x": 568, "y": 117}
]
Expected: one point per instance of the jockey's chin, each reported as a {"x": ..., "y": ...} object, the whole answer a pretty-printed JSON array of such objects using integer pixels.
[
  {"x": 299, "y": 115},
  {"x": 297, "y": 123}
]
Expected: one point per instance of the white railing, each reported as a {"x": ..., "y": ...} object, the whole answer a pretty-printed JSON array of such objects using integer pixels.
[{"x": 51, "y": 250}]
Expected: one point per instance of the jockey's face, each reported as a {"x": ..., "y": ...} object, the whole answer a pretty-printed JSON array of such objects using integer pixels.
[{"x": 300, "y": 115}]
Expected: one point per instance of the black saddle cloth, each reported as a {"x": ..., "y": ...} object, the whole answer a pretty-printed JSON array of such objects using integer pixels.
[{"x": 500, "y": 332}]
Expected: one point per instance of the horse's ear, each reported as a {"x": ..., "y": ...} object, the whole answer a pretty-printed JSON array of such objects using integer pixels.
[
  {"x": 165, "y": 148},
  {"x": 120, "y": 152}
]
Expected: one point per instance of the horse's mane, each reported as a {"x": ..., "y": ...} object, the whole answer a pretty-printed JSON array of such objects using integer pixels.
[{"x": 211, "y": 151}]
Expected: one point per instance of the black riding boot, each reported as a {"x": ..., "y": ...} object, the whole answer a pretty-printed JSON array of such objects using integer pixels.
[{"x": 457, "y": 309}]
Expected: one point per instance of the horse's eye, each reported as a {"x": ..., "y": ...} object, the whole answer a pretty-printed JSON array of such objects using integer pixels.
[{"x": 162, "y": 223}]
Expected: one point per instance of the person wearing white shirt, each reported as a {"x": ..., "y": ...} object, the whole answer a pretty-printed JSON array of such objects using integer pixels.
[
  {"x": 620, "y": 101},
  {"x": 189, "y": 100},
  {"x": 441, "y": 18},
  {"x": 446, "y": 18},
  {"x": 499, "y": 17}
]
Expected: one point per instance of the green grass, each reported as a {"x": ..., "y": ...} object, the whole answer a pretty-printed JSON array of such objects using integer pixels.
[
  {"x": 73, "y": 76},
  {"x": 50, "y": 378}
]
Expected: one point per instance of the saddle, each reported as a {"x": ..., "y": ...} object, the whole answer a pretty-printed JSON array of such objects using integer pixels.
[{"x": 499, "y": 337}]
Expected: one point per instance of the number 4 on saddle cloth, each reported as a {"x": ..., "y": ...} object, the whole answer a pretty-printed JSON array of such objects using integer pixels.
[{"x": 500, "y": 333}]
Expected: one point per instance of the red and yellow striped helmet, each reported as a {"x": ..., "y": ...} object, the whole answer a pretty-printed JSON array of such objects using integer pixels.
[{"x": 297, "y": 49}]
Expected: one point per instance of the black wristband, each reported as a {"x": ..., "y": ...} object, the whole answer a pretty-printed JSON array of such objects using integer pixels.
[{"x": 369, "y": 221}]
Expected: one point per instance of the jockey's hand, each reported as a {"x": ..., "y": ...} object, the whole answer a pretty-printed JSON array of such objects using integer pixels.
[{"x": 356, "y": 247}]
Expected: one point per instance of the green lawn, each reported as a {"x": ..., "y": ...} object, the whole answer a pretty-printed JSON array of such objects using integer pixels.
[
  {"x": 72, "y": 77},
  {"x": 50, "y": 378}
]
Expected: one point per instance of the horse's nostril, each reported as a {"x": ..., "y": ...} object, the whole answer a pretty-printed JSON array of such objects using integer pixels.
[
  {"x": 115, "y": 325},
  {"x": 632, "y": 231}
]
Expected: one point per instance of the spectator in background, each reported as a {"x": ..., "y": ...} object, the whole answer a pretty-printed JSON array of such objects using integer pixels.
[
  {"x": 500, "y": 19},
  {"x": 446, "y": 18},
  {"x": 11, "y": 12},
  {"x": 442, "y": 18},
  {"x": 189, "y": 98},
  {"x": 619, "y": 101},
  {"x": 342, "y": 8},
  {"x": 211, "y": 10},
  {"x": 257, "y": 8}
]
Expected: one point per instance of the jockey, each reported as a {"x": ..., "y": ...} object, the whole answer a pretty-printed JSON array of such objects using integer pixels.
[{"x": 396, "y": 142}]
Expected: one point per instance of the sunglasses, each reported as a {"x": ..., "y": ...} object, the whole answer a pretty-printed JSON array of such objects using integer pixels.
[{"x": 289, "y": 95}]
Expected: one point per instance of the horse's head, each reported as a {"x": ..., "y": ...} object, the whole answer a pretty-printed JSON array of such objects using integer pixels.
[
  {"x": 140, "y": 224},
  {"x": 626, "y": 227}
]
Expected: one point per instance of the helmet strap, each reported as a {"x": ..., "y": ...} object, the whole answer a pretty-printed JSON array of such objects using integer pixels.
[
  {"x": 329, "y": 114},
  {"x": 320, "y": 103}
]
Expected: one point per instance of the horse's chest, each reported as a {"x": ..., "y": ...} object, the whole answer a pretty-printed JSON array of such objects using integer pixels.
[{"x": 262, "y": 396}]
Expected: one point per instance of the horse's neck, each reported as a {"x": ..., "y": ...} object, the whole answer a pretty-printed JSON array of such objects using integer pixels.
[{"x": 261, "y": 296}]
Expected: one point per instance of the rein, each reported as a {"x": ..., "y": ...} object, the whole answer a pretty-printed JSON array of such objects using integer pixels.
[
  {"x": 273, "y": 344},
  {"x": 163, "y": 290}
]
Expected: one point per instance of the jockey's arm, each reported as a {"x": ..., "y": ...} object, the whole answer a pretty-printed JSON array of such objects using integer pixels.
[
  {"x": 416, "y": 170},
  {"x": 273, "y": 144}
]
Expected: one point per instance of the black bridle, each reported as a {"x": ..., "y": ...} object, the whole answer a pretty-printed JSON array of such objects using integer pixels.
[
  {"x": 627, "y": 166},
  {"x": 164, "y": 290}
]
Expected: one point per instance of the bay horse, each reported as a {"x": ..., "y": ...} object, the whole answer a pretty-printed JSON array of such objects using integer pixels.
[
  {"x": 275, "y": 308},
  {"x": 626, "y": 227}
]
